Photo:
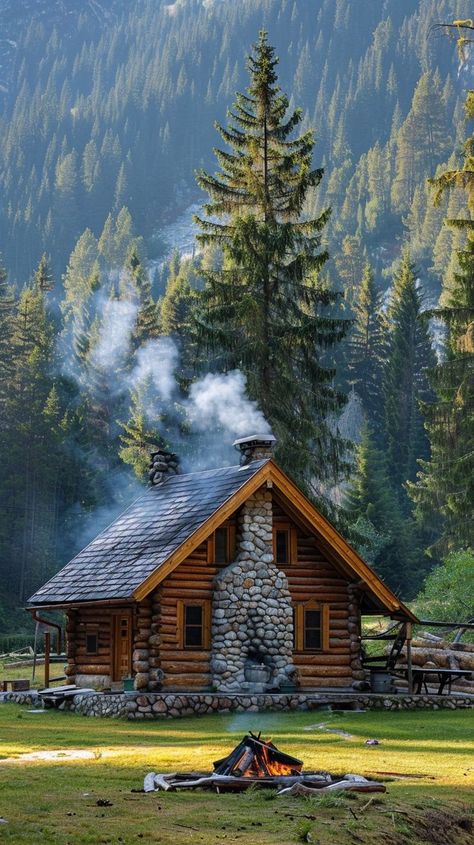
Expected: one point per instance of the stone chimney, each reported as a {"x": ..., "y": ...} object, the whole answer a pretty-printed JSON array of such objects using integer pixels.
[
  {"x": 257, "y": 447},
  {"x": 163, "y": 464}
]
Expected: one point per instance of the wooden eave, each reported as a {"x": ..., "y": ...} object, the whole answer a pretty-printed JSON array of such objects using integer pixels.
[
  {"x": 75, "y": 604},
  {"x": 335, "y": 546}
]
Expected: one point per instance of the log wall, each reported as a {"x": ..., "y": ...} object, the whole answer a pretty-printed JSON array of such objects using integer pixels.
[
  {"x": 312, "y": 577},
  {"x": 80, "y": 622},
  {"x": 193, "y": 579}
]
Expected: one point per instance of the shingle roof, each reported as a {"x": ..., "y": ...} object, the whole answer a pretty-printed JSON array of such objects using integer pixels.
[{"x": 122, "y": 556}]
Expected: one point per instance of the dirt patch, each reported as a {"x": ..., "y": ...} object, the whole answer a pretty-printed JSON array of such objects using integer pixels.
[
  {"x": 58, "y": 756},
  {"x": 440, "y": 827}
]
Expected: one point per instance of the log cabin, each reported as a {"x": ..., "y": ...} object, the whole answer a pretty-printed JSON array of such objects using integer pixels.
[{"x": 227, "y": 579}]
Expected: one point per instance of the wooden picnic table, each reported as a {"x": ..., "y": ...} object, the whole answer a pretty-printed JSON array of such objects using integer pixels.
[{"x": 445, "y": 678}]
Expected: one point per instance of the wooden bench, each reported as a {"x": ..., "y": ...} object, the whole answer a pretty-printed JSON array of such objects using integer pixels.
[{"x": 16, "y": 684}]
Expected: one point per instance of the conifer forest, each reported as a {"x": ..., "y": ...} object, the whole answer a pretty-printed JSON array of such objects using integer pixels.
[{"x": 219, "y": 218}]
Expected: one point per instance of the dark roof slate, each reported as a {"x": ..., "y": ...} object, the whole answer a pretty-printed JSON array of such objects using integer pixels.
[{"x": 144, "y": 536}]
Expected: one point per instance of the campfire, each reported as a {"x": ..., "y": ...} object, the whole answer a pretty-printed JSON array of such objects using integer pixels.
[
  {"x": 253, "y": 758},
  {"x": 255, "y": 761}
]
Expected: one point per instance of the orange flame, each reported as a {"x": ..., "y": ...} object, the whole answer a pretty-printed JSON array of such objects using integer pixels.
[{"x": 262, "y": 765}]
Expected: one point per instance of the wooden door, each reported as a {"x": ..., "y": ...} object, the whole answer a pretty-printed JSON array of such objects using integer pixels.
[{"x": 122, "y": 645}]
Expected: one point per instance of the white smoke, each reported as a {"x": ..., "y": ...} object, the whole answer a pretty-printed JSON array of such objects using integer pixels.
[
  {"x": 157, "y": 362},
  {"x": 118, "y": 319},
  {"x": 216, "y": 410},
  {"x": 220, "y": 401}
]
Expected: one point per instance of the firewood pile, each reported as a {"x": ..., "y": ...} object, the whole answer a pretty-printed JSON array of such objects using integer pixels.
[
  {"x": 257, "y": 762},
  {"x": 431, "y": 652}
]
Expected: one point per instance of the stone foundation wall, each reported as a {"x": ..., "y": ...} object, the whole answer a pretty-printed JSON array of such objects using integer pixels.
[{"x": 173, "y": 705}]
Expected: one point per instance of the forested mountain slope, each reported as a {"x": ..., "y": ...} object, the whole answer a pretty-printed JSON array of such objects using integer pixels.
[
  {"x": 111, "y": 103},
  {"x": 107, "y": 110}
]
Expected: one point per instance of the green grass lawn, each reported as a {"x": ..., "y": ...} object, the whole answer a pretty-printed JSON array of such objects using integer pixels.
[
  {"x": 55, "y": 801},
  {"x": 56, "y": 670}
]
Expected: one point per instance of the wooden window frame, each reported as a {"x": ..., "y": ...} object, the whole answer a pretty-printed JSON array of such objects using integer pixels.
[
  {"x": 279, "y": 525},
  {"x": 231, "y": 543},
  {"x": 206, "y": 623},
  {"x": 300, "y": 608}
]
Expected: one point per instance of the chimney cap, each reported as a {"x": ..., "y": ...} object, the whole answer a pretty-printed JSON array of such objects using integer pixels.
[{"x": 268, "y": 439}]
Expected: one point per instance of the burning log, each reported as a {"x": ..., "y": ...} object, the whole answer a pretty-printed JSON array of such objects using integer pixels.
[{"x": 255, "y": 758}]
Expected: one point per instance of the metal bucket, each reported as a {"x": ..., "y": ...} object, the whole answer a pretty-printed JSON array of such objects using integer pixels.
[
  {"x": 380, "y": 681},
  {"x": 257, "y": 674}
]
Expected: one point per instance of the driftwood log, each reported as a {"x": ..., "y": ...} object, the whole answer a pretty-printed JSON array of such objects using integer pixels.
[
  {"x": 339, "y": 786},
  {"x": 444, "y": 658},
  {"x": 305, "y": 784}
]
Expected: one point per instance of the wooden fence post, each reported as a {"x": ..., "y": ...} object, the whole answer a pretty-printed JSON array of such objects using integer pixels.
[
  {"x": 409, "y": 636},
  {"x": 47, "y": 649}
]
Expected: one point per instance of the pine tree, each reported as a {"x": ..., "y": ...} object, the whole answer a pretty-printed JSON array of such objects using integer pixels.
[
  {"x": 262, "y": 311},
  {"x": 146, "y": 323},
  {"x": 350, "y": 261},
  {"x": 43, "y": 279},
  {"x": 83, "y": 263},
  {"x": 7, "y": 362},
  {"x": 409, "y": 357},
  {"x": 26, "y": 440},
  {"x": 177, "y": 303},
  {"x": 141, "y": 434},
  {"x": 379, "y": 528},
  {"x": 446, "y": 482},
  {"x": 367, "y": 347},
  {"x": 422, "y": 140}
]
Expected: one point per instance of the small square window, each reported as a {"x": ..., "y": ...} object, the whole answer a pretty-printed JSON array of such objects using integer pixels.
[
  {"x": 193, "y": 626},
  {"x": 312, "y": 629},
  {"x": 91, "y": 643},
  {"x": 311, "y": 626}
]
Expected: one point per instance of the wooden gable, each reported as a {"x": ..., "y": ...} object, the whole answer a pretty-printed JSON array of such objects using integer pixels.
[{"x": 337, "y": 551}]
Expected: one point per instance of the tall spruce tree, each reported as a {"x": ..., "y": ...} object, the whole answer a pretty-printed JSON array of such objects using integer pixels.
[
  {"x": 27, "y": 440},
  {"x": 379, "y": 528},
  {"x": 367, "y": 345},
  {"x": 146, "y": 323},
  {"x": 409, "y": 357},
  {"x": 7, "y": 363},
  {"x": 446, "y": 482},
  {"x": 140, "y": 434},
  {"x": 263, "y": 312}
]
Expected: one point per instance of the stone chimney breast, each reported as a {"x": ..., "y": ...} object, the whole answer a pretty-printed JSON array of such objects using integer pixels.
[
  {"x": 163, "y": 464},
  {"x": 256, "y": 447}
]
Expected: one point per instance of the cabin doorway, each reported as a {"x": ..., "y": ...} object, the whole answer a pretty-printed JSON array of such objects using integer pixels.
[{"x": 122, "y": 645}]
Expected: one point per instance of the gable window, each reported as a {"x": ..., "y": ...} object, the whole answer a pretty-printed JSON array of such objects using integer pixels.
[
  {"x": 221, "y": 546},
  {"x": 284, "y": 543},
  {"x": 193, "y": 623},
  {"x": 311, "y": 626}
]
